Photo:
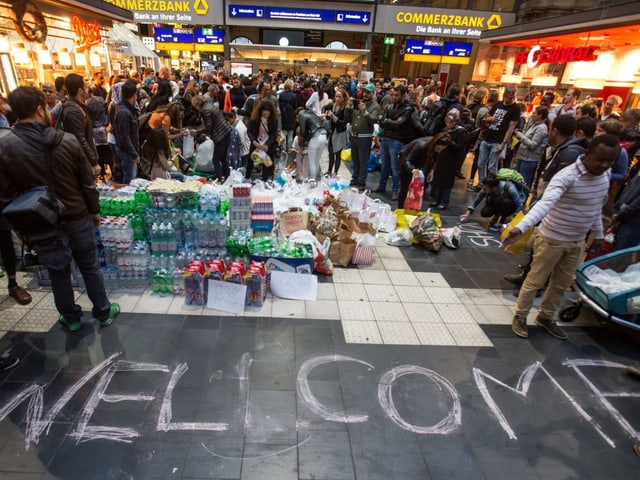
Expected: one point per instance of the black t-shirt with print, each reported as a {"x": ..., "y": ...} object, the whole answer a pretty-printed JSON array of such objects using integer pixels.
[{"x": 505, "y": 114}]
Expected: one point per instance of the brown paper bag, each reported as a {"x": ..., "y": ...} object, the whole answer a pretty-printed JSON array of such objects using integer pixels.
[
  {"x": 341, "y": 251},
  {"x": 293, "y": 220}
]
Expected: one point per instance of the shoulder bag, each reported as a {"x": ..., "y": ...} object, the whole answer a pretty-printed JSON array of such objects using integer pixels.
[{"x": 38, "y": 209}]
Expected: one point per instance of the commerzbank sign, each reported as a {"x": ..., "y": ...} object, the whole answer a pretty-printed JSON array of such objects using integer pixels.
[
  {"x": 192, "y": 12},
  {"x": 438, "y": 22}
]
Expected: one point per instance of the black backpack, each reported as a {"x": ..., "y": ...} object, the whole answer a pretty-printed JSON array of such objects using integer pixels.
[{"x": 433, "y": 119}]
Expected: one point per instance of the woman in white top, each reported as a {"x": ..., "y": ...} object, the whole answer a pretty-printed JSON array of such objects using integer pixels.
[{"x": 318, "y": 99}]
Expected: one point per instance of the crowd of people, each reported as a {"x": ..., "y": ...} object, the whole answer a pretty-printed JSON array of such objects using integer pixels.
[{"x": 143, "y": 124}]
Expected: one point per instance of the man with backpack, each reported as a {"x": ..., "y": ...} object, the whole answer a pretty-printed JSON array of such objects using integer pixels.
[
  {"x": 503, "y": 118},
  {"x": 433, "y": 118}
]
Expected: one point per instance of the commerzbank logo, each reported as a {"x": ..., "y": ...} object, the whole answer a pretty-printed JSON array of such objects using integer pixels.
[
  {"x": 196, "y": 12},
  {"x": 201, "y": 7}
]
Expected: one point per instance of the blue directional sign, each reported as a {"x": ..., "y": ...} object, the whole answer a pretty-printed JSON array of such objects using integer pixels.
[
  {"x": 349, "y": 16},
  {"x": 208, "y": 36},
  {"x": 173, "y": 35},
  {"x": 457, "y": 49},
  {"x": 245, "y": 11},
  {"x": 301, "y": 14},
  {"x": 420, "y": 47}
]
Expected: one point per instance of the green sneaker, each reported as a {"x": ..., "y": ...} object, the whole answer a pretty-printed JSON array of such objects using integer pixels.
[
  {"x": 71, "y": 326},
  {"x": 114, "y": 310},
  {"x": 1, "y": 272}
]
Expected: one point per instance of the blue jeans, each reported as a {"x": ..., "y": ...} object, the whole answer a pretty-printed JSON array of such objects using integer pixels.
[
  {"x": 442, "y": 197},
  {"x": 129, "y": 167},
  {"x": 78, "y": 242},
  {"x": 360, "y": 151},
  {"x": 527, "y": 169},
  {"x": 389, "y": 150},
  {"x": 487, "y": 153},
  {"x": 628, "y": 235}
]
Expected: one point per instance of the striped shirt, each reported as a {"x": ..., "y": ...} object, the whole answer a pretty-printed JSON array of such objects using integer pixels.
[{"x": 571, "y": 205}]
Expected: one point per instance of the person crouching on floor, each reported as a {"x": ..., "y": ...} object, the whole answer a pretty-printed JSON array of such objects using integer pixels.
[{"x": 503, "y": 200}]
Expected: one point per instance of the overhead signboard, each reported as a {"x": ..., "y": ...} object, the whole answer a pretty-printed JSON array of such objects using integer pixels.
[
  {"x": 432, "y": 52},
  {"x": 245, "y": 11},
  {"x": 405, "y": 20},
  {"x": 173, "y": 35},
  {"x": 290, "y": 14},
  {"x": 300, "y": 14},
  {"x": 208, "y": 36},
  {"x": 208, "y": 40},
  {"x": 187, "y": 12}
]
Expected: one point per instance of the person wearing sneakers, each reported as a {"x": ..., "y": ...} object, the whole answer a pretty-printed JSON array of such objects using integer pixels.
[
  {"x": 570, "y": 207},
  {"x": 23, "y": 166}
]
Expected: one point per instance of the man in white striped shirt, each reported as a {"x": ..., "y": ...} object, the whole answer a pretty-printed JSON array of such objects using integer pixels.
[{"x": 570, "y": 207}]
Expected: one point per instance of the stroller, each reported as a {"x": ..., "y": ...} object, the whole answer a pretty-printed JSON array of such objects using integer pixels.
[{"x": 609, "y": 285}]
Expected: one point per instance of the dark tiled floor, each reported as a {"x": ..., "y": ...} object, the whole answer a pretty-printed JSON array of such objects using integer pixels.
[
  {"x": 244, "y": 374},
  {"x": 224, "y": 398}
]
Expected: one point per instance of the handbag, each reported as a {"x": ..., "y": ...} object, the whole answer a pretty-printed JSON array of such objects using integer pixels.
[{"x": 38, "y": 209}]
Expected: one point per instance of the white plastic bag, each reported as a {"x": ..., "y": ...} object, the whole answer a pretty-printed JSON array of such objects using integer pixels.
[
  {"x": 188, "y": 147},
  {"x": 451, "y": 237},
  {"x": 204, "y": 155},
  {"x": 385, "y": 221},
  {"x": 401, "y": 237}
]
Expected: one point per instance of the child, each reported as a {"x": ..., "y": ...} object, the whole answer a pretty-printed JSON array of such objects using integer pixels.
[{"x": 238, "y": 160}]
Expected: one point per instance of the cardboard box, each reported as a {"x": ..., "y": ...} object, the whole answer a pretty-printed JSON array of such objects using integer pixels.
[{"x": 285, "y": 264}]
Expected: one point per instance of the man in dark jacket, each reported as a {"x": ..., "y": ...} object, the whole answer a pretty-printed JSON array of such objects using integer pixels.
[
  {"x": 288, "y": 102},
  {"x": 23, "y": 166},
  {"x": 76, "y": 119},
  {"x": 218, "y": 129},
  {"x": 126, "y": 131},
  {"x": 398, "y": 131}
]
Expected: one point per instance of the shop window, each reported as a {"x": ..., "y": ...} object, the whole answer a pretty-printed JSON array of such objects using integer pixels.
[
  {"x": 337, "y": 45},
  {"x": 242, "y": 41}
]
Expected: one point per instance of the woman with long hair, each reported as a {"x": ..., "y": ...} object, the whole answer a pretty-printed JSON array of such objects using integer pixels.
[
  {"x": 415, "y": 156},
  {"x": 262, "y": 130},
  {"x": 444, "y": 171},
  {"x": 161, "y": 96},
  {"x": 318, "y": 99},
  {"x": 190, "y": 114},
  {"x": 337, "y": 128}
]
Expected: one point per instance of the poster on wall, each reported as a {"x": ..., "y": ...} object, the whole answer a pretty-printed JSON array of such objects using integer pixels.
[{"x": 496, "y": 69}]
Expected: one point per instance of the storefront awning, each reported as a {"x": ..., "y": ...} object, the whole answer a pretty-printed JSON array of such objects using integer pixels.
[
  {"x": 606, "y": 18},
  {"x": 120, "y": 33}
]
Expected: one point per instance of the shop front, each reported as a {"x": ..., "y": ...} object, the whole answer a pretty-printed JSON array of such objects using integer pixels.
[
  {"x": 43, "y": 40},
  {"x": 184, "y": 33},
  {"x": 300, "y": 37},
  {"x": 440, "y": 44},
  {"x": 596, "y": 51}
]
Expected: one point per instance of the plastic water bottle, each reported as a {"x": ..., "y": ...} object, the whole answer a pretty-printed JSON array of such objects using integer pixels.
[{"x": 178, "y": 281}]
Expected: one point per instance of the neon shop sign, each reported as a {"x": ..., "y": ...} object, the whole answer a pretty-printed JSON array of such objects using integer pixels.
[{"x": 539, "y": 55}]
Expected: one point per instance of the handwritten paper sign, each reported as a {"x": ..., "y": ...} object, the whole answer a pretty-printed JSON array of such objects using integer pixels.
[
  {"x": 226, "y": 296},
  {"x": 295, "y": 286}
]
